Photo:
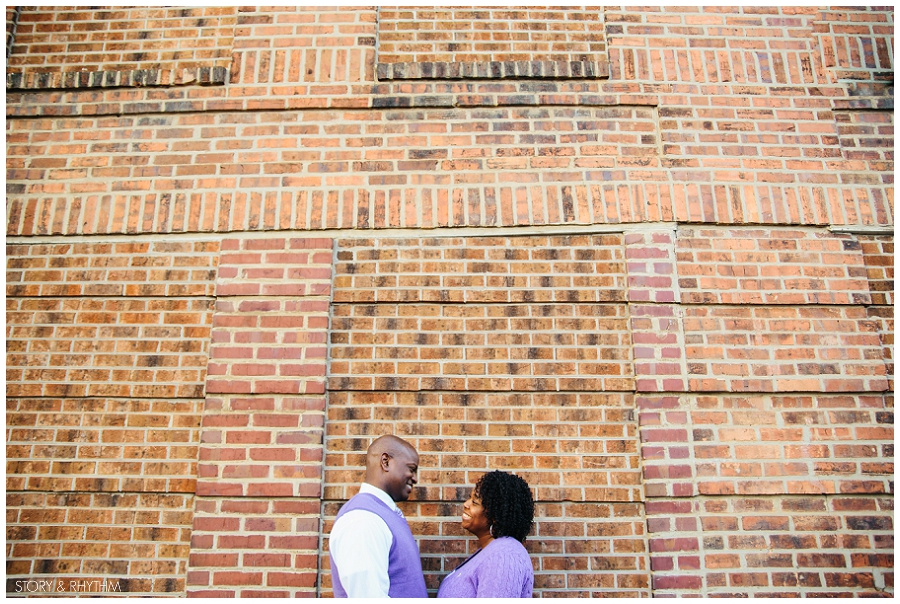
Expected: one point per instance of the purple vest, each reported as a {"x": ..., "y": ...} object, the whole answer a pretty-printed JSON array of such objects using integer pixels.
[{"x": 404, "y": 564}]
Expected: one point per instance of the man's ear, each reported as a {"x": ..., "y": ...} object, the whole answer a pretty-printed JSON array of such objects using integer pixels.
[{"x": 385, "y": 461}]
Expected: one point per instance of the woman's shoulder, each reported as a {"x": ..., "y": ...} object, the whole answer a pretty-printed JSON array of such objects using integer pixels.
[
  {"x": 507, "y": 543},
  {"x": 508, "y": 546}
]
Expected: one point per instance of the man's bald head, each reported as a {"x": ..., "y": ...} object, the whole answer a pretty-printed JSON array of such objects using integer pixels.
[
  {"x": 388, "y": 443},
  {"x": 392, "y": 465}
]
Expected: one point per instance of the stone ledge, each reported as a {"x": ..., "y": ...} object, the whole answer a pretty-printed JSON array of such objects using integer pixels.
[
  {"x": 493, "y": 70},
  {"x": 206, "y": 76}
]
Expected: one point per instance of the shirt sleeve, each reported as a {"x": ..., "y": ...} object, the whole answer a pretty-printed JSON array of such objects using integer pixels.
[{"x": 360, "y": 544}]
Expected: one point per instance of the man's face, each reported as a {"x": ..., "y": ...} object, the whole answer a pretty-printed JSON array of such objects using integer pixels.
[{"x": 401, "y": 469}]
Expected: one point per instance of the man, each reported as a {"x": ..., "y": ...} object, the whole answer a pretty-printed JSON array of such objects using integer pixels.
[{"x": 373, "y": 552}]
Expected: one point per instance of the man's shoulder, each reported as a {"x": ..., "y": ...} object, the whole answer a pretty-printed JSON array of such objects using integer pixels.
[
  {"x": 358, "y": 522},
  {"x": 364, "y": 502}
]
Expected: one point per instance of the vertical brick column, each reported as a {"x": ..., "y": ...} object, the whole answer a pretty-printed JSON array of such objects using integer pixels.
[
  {"x": 878, "y": 255},
  {"x": 256, "y": 522},
  {"x": 656, "y": 318}
]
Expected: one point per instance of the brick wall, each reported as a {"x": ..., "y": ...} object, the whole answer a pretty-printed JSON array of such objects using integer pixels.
[
  {"x": 491, "y": 353},
  {"x": 76, "y": 47},
  {"x": 642, "y": 256},
  {"x": 491, "y": 42},
  {"x": 788, "y": 494},
  {"x": 107, "y": 347},
  {"x": 288, "y": 45},
  {"x": 855, "y": 44}
]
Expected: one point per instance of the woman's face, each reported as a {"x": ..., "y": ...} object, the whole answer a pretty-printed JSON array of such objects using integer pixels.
[{"x": 474, "y": 518}]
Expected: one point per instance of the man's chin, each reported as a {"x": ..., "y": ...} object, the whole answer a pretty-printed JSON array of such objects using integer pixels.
[{"x": 402, "y": 496}]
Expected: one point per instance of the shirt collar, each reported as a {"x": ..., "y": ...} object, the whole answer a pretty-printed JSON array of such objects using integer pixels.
[{"x": 373, "y": 490}]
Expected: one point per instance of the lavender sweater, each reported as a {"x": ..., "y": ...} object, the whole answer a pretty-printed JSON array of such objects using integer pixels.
[{"x": 500, "y": 570}]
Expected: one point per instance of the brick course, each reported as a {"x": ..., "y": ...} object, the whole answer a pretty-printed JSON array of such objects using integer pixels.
[
  {"x": 140, "y": 541},
  {"x": 66, "y": 48},
  {"x": 761, "y": 444},
  {"x": 818, "y": 349},
  {"x": 492, "y": 43},
  {"x": 771, "y": 547},
  {"x": 467, "y": 35},
  {"x": 642, "y": 256},
  {"x": 719, "y": 266}
]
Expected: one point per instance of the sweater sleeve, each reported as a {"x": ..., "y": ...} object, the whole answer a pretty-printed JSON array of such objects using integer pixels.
[{"x": 504, "y": 577}]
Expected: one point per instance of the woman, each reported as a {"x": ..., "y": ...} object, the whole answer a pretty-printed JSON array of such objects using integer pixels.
[{"x": 500, "y": 513}]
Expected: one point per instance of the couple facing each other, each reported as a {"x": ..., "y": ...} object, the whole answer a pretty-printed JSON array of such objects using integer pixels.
[{"x": 373, "y": 552}]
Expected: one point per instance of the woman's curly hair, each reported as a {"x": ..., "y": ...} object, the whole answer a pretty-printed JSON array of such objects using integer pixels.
[{"x": 507, "y": 503}]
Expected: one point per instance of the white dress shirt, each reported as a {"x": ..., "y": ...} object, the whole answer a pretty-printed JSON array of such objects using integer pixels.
[{"x": 360, "y": 544}]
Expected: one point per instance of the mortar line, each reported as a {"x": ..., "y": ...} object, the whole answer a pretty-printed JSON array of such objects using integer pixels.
[{"x": 436, "y": 232}]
